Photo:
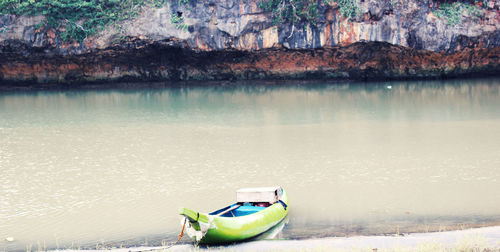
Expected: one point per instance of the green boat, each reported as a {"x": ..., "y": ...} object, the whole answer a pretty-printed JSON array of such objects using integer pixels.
[{"x": 256, "y": 211}]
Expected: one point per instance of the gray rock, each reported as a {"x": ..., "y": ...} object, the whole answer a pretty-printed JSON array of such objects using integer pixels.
[{"x": 230, "y": 24}]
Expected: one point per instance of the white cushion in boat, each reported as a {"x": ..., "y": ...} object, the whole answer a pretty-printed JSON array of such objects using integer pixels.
[{"x": 259, "y": 194}]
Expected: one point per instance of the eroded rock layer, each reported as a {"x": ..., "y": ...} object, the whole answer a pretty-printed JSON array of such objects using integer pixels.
[{"x": 155, "y": 62}]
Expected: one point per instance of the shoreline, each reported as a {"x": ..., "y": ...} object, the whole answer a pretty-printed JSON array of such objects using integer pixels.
[
  {"x": 307, "y": 238},
  {"x": 486, "y": 237},
  {"x": 474, "y": 239}
]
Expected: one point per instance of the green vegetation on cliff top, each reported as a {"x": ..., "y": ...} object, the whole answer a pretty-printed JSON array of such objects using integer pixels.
[
  {"x": 454, "y": 12},
  {"x": 77, "y": 19},
  {"x": 294, "y": 11}
]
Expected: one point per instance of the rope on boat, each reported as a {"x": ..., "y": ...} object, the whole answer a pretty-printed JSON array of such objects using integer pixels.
[{"x": 180, "y": 235}]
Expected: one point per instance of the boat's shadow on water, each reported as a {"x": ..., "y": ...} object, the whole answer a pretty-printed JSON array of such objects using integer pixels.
[{"x": 274, "y": 233}]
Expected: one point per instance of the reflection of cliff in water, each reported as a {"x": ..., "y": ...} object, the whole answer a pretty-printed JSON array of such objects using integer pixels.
[{"x": 263, "y": 102}]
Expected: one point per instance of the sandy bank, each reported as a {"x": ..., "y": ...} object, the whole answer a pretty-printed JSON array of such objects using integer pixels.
[
  {"x": 488, "y": 237},
  {"x": 477, "y": 239}
]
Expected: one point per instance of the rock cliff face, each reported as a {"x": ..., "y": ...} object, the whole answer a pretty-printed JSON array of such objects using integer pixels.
[{"x": 239, "y": 37}]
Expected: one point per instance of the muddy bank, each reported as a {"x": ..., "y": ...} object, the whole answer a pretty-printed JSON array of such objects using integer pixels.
[
  {"x": 137, "y": 60},
  {"x": 481, "y": 239},
  {"x": 316, "y": 236},
  {"x": 478, "y": 239}
]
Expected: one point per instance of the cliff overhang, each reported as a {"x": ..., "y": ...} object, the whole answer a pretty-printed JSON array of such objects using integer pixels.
[{"x": 139, "y": 60}]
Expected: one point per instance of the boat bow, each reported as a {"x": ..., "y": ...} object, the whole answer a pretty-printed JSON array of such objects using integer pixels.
[{"x": 198, "y": 223}]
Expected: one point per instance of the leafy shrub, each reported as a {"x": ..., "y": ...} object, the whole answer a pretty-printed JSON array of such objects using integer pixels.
[
  {"x": 293, "y": 11},
  {"x": 77, "y": 19},
  {"x": 178, "y": 21},
  {"x": 453, "y": 13},
  {"x": 348, "y": 8}
]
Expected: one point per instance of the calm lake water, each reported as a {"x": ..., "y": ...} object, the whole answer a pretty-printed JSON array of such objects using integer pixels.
[{"x": 86, "y": 167}]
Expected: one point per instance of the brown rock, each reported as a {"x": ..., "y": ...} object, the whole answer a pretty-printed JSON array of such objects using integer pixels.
[{"x": 358, "y": 61}]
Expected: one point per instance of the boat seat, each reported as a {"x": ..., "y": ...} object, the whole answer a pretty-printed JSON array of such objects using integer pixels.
[
  {"x": 246, "y": 210},
  {"x": 236, "y": 210}
]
